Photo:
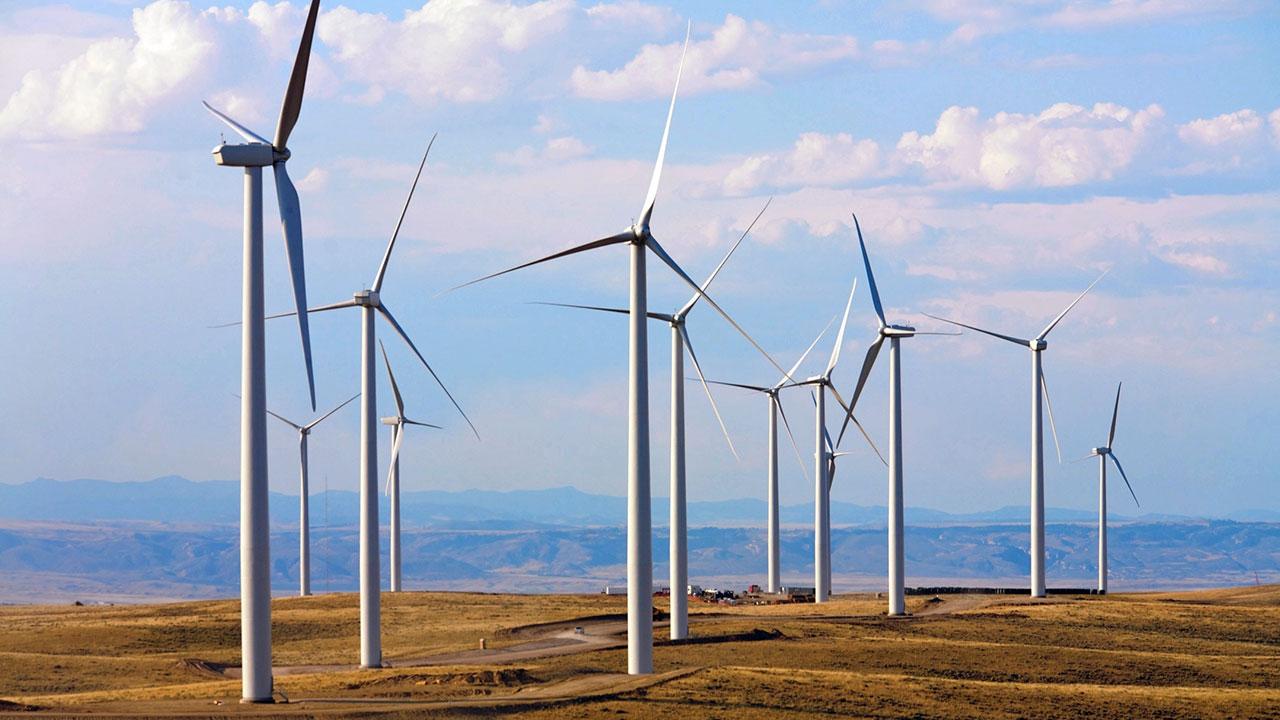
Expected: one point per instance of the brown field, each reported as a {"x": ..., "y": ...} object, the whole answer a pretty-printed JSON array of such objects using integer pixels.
[{"x": 1168, "y": 655}]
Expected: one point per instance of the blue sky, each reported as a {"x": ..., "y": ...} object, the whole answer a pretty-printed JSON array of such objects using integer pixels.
[{"x": 999, "y": 156}]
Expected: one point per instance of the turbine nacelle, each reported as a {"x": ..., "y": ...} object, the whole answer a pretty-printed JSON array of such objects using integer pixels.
[
  {"x": 1101, "y": 451},
  {"x": 1037, "y": 345},
  {"x": 899, "y": 331},
  {"x": 245, "y": 155},
  {"x": 367, "y": 298},
  {"x": 391, "y": 421}
]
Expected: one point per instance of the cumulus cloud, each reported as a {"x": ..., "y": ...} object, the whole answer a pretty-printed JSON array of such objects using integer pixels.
[
  {"x": 816, "y": 159},
  {"x": 1236, "y": 127},
  {"x": 457, "y": 50},
  {"x": 738, "y": 54},
  {"x": 556, "y": 149},
  {"x": 1063, "y": 145},
  {"x": 113, "y": 86}
]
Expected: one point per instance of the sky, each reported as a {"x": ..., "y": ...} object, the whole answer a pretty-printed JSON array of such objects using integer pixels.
[{"x": 999, "y": 156}]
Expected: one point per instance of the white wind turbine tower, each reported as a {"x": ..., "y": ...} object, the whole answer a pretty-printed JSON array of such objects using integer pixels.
[
  {"x": 680, "y": 340},
  {"x": 370, "y": 303},
  {"x": 255, "y": 554},
  {"x": 639, "y": 520},
  {"x": 821, "y": 482},
  {"x": 1102, "y": 453},
  {"x": 1039, "y": 399},
  {"x": 304, "y": 495},
  {"x": 774, "y": 540},
  {"x": 397, "y": 423},
  {"x": 894, "y": 334}
]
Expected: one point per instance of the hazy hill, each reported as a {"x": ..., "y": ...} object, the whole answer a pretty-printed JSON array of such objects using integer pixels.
[{"x": 181, "y": 501}]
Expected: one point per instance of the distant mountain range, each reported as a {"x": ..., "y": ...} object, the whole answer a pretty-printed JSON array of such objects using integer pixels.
[
  {"x": 176, "y": 500},
  {"x": 58, "y": 562}
]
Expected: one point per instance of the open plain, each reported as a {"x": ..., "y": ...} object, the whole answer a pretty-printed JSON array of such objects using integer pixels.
[{"x": 1193, "y": 654}]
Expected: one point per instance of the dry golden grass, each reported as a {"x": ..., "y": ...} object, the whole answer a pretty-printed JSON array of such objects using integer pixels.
[{"x": 1203, "y": 654}]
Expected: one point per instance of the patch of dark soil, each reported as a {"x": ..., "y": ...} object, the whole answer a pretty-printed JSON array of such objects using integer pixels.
[
  {"x": 203, "y": 668},
  {"x": 749, "y": 636}
]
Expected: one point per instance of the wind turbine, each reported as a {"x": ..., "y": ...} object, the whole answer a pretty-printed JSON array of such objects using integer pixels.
[
  {"x": 371, "y": 304},
  {"x": 304, "y": 495},
  {"x": 397, "y": 423},
  {"x": 255, "y": 552},
  {"x": 680, "y": 340},
  {"x": 894, "y": 334},
  {"x": 821, "y": 482},
  {"x": 774, "y": 583},
  {"x": 1039, "y": 399},
  {"x": 639, "y": 522},
  {"x": 1102, "y": 453}
]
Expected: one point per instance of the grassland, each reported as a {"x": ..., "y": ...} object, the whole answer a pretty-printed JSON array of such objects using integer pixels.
[{"x": 1169, "y": 655}]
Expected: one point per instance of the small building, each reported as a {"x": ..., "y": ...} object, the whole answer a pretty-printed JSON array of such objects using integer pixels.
[{"x": 615, "y": 589}]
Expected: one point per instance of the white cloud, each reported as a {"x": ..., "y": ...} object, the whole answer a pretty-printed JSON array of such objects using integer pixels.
[
  {"x": 457, "y": 50},
  {"x": 976, "y": 19},
  {"x": 634, "y": 15},
  {"x": 546, "y": 125},
  {"x": 1063, "y": 145},
  {"x": 1082, "y": 14},
  {"x": 1274, "y": 120},
  {"x": 1237, "y": 127},
  {"x": 113, "y": 86},
  {"x": 738, "y": 54},
  {"x": 557, "y": 149},
  {"x": 1198, "y": 261},
  {"x": 816, "y": 159}
]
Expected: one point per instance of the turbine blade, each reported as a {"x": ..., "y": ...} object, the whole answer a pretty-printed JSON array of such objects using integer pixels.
[
  {"x": 1052, "y": 425},
  {"x": 1111, "y": 436},
  {"x": 757, "y": 388},
  {"x": 240, "y": 130},
  {"x": 620, "y": 311},
  {"x": 291, "y": 313},
  {"x": 297, "y": 81},
  {"x": 407, "y": 421},
  {"x": 395, "y": 388},
  {"x": 291, "y": 221},
  {"x": 395, "y": 455},
  {"x": 871, "y": 277},
  {"x": 624, "y": 236},
  {"x": 662, "y": 255},
  {"x": 1116, "y": 460},
  {"x": 283, "y": 419},
  {"x": 809, "y": 349},
  {"x": 804, "y": 471},
  {"x": 386, "y": 256},
  {"x": 324, "y": 417},
  {"x": 1090, "y": 456},
  {"x": 844, "y": 324},
  {"x": 647, "y": 210},
  {"x": 1010, "y": 338},
  {"x": 1063, "y": 314},
  {"x": 688, "y": 345},
  {"x": 405, "y": 336},
  {"x": 694, "y": 300},
  {"x": 849, "y": 413},
  {"x": 872, "y": 353}
]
